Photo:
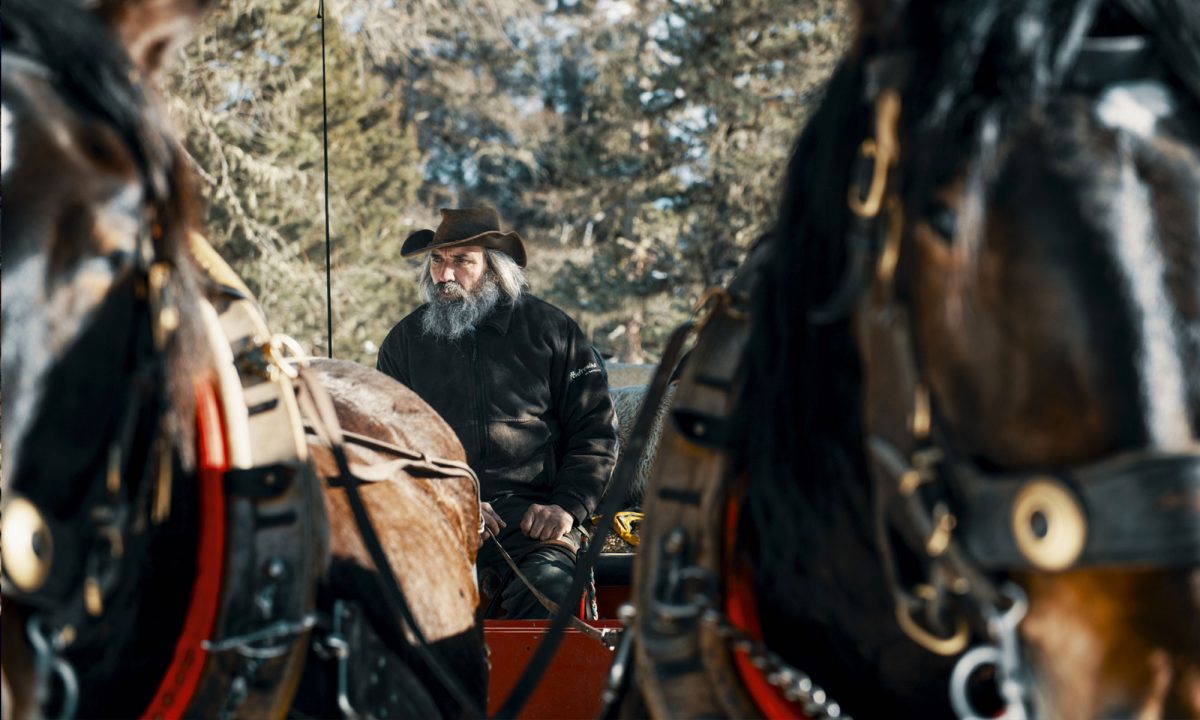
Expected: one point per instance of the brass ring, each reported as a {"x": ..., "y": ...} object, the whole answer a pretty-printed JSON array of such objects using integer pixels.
[
  {"x": 944, "y": 646},
  {"x": 883, "y": 149}
]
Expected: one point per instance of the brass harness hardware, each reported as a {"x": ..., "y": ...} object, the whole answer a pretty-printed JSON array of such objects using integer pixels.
[{"x": 884, "y": 150}]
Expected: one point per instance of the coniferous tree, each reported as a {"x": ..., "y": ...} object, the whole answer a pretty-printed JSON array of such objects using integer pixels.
[{"x": 637, "y": 145}]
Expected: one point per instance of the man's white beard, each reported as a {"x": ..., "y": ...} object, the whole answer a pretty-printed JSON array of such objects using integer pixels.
[{"x": 452, "y": 316}]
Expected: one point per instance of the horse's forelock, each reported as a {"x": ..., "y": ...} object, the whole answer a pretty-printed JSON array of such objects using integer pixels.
[{"x": 979, "y": 61}]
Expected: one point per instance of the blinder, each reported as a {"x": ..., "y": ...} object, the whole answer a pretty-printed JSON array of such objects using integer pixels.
[
  {"x": 1134, "y": 510},
  {"x": 1137, "y": 510}
]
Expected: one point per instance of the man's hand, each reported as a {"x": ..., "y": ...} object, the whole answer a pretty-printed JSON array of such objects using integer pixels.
[
  {"x": 546, "y": 522},
  {"x": 491, "y": 519}
]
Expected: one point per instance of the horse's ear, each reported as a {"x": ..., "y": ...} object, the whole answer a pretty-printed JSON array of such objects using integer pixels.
[{"x": 151, "y": 30}]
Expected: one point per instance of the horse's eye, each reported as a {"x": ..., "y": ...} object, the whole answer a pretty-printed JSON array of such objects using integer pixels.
[
  {"x": 943, "y": 219},
  {"x": 104, "y": 147}
]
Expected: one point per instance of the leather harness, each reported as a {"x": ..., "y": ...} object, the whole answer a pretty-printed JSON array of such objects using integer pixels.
[
  {"x": 276, "y": 533},
  {"x": 697, "y": 647}
]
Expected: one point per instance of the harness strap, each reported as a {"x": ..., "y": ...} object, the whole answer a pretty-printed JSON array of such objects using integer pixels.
[
  {"x": 688, "y": 669},
  {"x": 409, "y": 461},
  {"x": 276, "y": 537}
]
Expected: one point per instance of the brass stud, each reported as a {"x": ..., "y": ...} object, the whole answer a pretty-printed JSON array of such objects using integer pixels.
[
  {"x": 28, "y": 547},
  {"x": 93, "y": 599},
  {"x": 943, "y": 527},
  {"x": 168, "y": 319},
  {"x": 921, "y": 420},
  {"x": 910, "y": 480},
  {"x": 112, "y": 479},
  {"x": 1048, "y": 524},
  {"x": 65, "y": 637}
]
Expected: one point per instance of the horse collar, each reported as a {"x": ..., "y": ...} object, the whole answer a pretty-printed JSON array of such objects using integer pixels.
[{"x": 712, "y": 655}]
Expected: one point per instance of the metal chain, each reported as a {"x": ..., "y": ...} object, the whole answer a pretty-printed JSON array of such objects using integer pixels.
[{"x": 795, "y": 684}]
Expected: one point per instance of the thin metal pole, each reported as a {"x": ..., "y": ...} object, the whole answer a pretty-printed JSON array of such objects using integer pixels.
[{"x": 325, "y": 143}]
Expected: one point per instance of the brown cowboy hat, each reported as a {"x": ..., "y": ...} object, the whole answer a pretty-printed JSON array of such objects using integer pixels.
[{"x": 468, "y": 226}]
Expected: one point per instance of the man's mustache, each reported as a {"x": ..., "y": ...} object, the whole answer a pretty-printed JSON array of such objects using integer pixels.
[{"x": 451, "y": 288}]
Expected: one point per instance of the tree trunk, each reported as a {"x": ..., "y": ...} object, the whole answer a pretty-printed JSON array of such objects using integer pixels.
[{"x": 633, "y": 338}]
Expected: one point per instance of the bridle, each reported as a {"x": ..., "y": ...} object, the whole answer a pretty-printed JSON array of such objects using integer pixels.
[
  {"x": 67, "y": 569},
  {"x": 964, "y": 524}
]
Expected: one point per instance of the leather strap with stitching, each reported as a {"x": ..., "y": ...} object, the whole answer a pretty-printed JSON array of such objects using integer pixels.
[{"x": 408, "y": 461}]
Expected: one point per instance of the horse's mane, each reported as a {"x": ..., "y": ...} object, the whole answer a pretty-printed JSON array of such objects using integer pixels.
[
  {"x": 972, "y": 61},
  {"x": 87, "y": 64}
]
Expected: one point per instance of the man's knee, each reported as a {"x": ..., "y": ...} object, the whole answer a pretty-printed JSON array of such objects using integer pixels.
[{"x": 548, "y": 570}]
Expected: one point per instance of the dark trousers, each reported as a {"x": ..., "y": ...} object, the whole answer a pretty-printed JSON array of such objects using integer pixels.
[{"x": 550, "y": 570}]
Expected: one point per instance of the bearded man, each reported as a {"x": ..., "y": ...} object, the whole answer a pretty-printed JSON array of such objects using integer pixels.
[{"x": 518, "y": 381}]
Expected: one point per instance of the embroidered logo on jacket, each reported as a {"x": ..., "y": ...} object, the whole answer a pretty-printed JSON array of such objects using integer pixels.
[{"x": 585, "y": 370}]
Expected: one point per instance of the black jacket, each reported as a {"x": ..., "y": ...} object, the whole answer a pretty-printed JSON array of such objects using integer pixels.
[{"x": 525, "y": 396}]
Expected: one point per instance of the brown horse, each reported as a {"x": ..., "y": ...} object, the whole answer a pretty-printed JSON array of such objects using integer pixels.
[
  {"x": 937, "y": 450},
  {"x": 168, "y": 547}
]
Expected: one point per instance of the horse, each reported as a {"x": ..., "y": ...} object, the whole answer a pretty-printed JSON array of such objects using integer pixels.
[
  {"x": 190, "y": 507},
  {"x": 627, "y": 403},
  {"x": 935, "y": 451}
]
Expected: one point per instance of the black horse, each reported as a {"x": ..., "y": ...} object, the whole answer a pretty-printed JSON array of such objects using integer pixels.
[{"x": 937, "y": 450}]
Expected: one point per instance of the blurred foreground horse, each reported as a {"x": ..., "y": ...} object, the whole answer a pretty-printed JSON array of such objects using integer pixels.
[
  {"x": 179, "y": 539},
  {"x": 935, "y": 452}
]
